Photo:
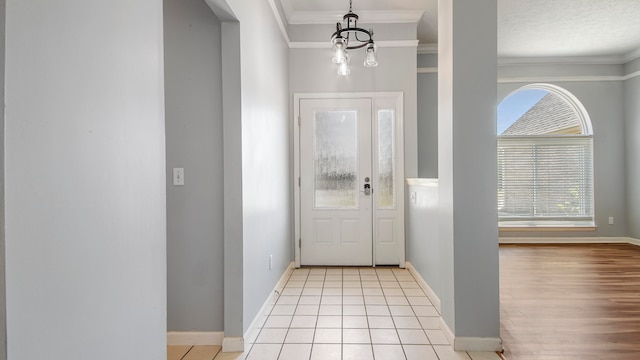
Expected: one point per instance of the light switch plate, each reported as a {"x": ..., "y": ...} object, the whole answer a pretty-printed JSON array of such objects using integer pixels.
[{"x": 178, "y": 176}]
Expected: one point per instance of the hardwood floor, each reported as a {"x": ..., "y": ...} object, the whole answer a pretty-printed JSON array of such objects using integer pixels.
[{"x": 570, "y": 301}]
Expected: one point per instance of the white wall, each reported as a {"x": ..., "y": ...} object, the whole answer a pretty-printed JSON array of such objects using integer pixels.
[
  {"x": 85, "y": 180},
  {"x": 266, "y": 180},
  {"x": 195, "y": 229}
]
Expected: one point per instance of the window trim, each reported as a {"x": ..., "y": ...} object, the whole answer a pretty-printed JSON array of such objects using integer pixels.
[{"x": 557, "y": 223}]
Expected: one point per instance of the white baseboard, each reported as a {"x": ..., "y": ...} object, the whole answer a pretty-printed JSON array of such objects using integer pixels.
[
  {"x": 435, "y": 300},
  {"x": 266, "y": 307},
  {"x": 477, "y": 344},
  {"x": 569, "y": 240},
  {"x": 195, "y": 337},
  {"x": 447, "y": 331},
  {"x": 229, "y": 344},
  {"x": 462, "y": 343},
  {"x": 233, "y": 344}
]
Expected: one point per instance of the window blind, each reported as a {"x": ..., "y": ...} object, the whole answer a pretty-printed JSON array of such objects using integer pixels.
[{"x": 545, "y": 178}]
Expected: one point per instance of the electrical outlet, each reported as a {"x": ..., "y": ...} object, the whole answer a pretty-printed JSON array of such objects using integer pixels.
[
  {"x": 270, "y": 262},
  {"x": 610, "y": 220},
  {"x": 414, "y": 197}
]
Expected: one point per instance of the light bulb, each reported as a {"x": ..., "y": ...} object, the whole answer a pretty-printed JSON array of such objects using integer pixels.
[
  {"x": 344, "y": 69},
  {"x": 340, "y": 55},
  {"x": 370, "y": 60}
]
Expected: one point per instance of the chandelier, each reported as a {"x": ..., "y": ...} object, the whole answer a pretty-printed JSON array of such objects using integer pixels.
[{"x": 350, "y": 37}]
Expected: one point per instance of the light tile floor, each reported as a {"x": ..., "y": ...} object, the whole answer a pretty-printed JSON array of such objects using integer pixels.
[
  {"x": 344, "y": 314},
  {"x": 352, "y": 314}
]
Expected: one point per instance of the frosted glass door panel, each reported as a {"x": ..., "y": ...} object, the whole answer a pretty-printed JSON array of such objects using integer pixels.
[
  {"x": 351, "y": 181},
  {"x": 336, "y": 159},
  {"x": 386, "y": 156},
  {"x": 335, "y": 165}
]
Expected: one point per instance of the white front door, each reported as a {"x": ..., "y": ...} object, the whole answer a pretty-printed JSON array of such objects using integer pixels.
[
  {"x": 351, "y": 193},
  {"x": 335, "y": 167}
]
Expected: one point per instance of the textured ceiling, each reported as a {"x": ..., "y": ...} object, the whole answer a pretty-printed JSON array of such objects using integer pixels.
[
  {"x": 568, "y": 27},
  {"x": 526, "y": 28}
]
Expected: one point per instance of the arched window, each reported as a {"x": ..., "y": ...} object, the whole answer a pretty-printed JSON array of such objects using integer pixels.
[{"x": 545, "y": 159}]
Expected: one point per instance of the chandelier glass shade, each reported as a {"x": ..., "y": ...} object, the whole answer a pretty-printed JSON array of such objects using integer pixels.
[{"x": 351, "y": 37}]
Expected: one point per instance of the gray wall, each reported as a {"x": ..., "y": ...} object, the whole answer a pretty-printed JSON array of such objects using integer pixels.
[
  {"x": 423, "y": 243},
  {"x": 322, "y": 33},
  {"x": 632, "y": 134},
  {"x": 603, "y": 101},
  {"x": 232, "y": 143},
  {"x": 427, "y": 125},
  {"x": 427, "y": 60},
  {"x": 3, "y": 303},
  {"x": 467, "y": 169},
  {"x": 428, "y": 116},
  {"x": 395, "y": 72},
  {"x": 193, "y": 106},
  {"x": 85, "y": 180}
]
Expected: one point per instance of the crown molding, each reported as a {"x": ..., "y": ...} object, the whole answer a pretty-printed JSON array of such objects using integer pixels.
[
  {"x": 276, "y": 14},
  {"x": 397, "y": 43},
  {"x": 573, "y": 60},
  {"x": 327, "y": 44},
  {"x": 632, "y": 55},
  {"x": 545, "y": 79},
  {"x": 427, "y": 70},
  {"x": 310, "y": 45},
  {"x": 428, "y": 49},
  {"x": 552, "y": 60},
  {"x": 369, "y": 16},
  {"x": 631, "y": 75},
  {"x": 287, "y": 7}
]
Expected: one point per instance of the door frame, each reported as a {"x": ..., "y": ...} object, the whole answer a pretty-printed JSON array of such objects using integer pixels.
[{"x": 399, "y": 103}]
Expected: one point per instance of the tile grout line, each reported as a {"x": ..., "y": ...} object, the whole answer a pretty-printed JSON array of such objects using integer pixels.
[
  {"x": 394, "y": 323},
  {"x": 292, "y": 316},
  {"x": 322, "y": 293}
]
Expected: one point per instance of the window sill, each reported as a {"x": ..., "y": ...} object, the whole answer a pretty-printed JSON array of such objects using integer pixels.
[{"x": 559, "y": 226}]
